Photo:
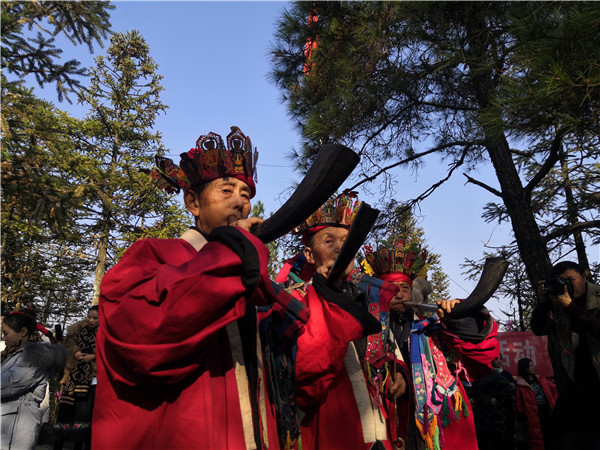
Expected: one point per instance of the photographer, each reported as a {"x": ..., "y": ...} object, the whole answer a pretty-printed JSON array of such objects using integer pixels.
[{"x": 569, "y": 313}]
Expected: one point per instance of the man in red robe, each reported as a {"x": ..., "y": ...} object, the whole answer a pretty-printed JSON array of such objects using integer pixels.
[
  {"x": 440, "y": 353},
  {"x": 178, "y": 353},
  {"x": 341, "y": 407}
]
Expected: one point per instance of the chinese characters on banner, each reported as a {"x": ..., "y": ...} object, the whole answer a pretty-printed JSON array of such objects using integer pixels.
[{"x": 525, "y": 344}]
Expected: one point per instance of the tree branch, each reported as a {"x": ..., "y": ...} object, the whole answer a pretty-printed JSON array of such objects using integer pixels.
[
  {"x": 548, "y": 164},
  {"x": 483, "y": 185},
  {"x": 433, "y": 187},
  {"x": 570, "y": 229},
  {"x": 468, "y": 144}
]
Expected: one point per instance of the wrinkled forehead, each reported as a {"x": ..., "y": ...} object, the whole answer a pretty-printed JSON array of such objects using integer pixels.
[
  {"x": 332, "y": 232},
  {"x": 235, "y": 182},
  {"x": 220, "y": 183}
]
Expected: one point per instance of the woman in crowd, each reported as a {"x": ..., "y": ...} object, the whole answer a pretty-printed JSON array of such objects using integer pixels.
[
  {"x": 26, "y": 368},
  {"x": 534, "y": 400},
  {"x": 78, "y": 385}
]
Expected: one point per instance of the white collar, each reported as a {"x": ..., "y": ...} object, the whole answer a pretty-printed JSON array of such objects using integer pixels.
[{"x": 194, "y": 238}]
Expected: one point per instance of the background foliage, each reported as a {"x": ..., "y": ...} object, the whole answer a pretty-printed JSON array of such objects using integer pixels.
[{"x": 74, "y": 192}]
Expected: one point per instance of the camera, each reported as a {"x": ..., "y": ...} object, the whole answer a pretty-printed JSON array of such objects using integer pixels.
[{"x": 556, "y": 286}]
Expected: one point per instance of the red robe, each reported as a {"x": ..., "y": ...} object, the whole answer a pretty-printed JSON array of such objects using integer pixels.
[
  {"x": 332, "y": 389},
  {"x": 171, "y": 364}
]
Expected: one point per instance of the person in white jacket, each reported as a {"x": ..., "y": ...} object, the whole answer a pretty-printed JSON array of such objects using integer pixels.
[{"x": 25, "y": 370}]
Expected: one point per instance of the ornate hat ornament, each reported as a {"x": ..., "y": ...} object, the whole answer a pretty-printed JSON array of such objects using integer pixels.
[
  {"x": 397, "y": 260},
  {"x": 208, "y": 161},
  {"x": 338, "y": 211}
]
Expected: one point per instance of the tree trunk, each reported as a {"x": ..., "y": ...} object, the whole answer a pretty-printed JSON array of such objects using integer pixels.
[
  {"x": 481, "y": 61},
  {"x": 532, "y": 247},
  {"x": 101, "y": 257}
]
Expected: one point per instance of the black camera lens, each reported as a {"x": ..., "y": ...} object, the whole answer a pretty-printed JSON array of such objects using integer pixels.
[{"x": 556, "y": 286}]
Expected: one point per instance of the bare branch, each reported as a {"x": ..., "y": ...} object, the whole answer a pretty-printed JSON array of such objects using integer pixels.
[
  {"x": 548, "y": 164},
  {"x": 483, "y": 185},
  {"x": 433, "y": 187},
  {"x": 438, "y": 148},
  {"x": 570, "y": 229}
]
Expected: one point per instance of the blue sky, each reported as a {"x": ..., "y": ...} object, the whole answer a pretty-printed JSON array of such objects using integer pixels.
[{"x": 215, "y": 63}]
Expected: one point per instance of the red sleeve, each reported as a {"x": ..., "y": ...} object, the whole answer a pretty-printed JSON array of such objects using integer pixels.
[
  {"x": 322, "y": 347},
  {"x": 550, "y": 390},
  {"x": 520, "y": 406},
  {"x": 162, "y": 303},
  {"x": 476, "y": 357}
]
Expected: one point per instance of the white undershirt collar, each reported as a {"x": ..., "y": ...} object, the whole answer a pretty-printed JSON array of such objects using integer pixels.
[{"x": 194, "y": 238}]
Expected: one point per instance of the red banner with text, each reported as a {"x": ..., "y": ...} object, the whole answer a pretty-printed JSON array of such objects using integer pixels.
[{"x": 525, "y": 344}]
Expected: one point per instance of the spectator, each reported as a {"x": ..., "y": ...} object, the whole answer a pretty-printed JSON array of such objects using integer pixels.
[
  {"x": 494, "y": 409},
  {"x": 41, "y": 334},
  {"x": 497, "y": 365},
  {"x": 569, "y": 313},
  {"x": 534, "y": 400},
  {"x": 26, "y": 368},
  {"x": 78, "y": 388}
]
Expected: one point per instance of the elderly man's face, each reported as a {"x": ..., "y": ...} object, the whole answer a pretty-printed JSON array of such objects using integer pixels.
[
  {"x": 326, "y": 246},
  {"x": 222, "y": 202},
  {"x": 404, "y": 295}
]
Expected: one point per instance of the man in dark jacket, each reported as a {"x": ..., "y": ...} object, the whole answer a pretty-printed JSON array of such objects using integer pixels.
[
  {"x": 569, "y": 313},
  {"x": 494, "y": 409}
]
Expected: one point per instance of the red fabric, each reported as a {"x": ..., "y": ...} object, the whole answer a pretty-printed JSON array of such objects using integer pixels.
[
  {"x": 476, "y": 358},
  {"x": 316, "y": 228},
  {"x": 526, "y": 407},
  {"x": 306, "y": 272},
  {"x": 311, "y": 45},
  {"x": 387, "y": 292},
  {"x": 396, "y": 277},
  {"x": 461, "y": 435},
  {"x": 322, "y": 347},
  {"x": 165, "y": 371},
  {"x": 325, "y": 391},
  {"x": 282, "y": 276},
  {"x": 311, "y": 231},
  {"x": 42, "y": 329}
]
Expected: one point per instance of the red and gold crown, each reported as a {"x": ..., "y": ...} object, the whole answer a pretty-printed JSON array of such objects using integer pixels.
[
  {"x": 209, "y": 160},
  {"x": 398, "y": 260},
  {"x": 338, "y": 211}
]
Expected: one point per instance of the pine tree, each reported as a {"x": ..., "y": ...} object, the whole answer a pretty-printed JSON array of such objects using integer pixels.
[
  {"x": 81, "y": 22},
  {"x": 43, "y": 252},
  {"x": 117, "y": 146},
  {"x": 565, "y": 202}
]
